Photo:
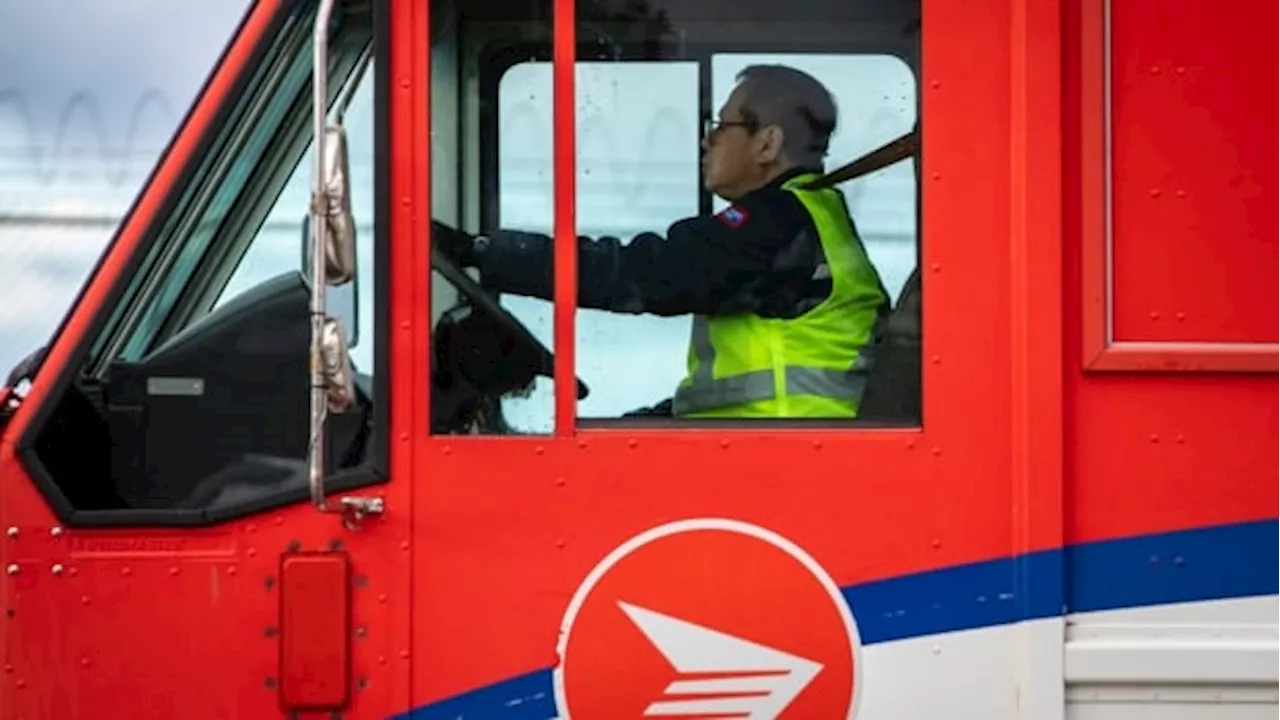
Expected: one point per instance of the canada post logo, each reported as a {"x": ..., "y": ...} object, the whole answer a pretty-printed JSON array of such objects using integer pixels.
[{"x": 708, "y": 618}]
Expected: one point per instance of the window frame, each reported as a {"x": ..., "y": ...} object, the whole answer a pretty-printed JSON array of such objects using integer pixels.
[
  {"x": 177, "y": 206},
  {"x": 496, "y": 57}
]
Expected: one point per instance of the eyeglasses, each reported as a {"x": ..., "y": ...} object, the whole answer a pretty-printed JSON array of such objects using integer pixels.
[{"x": 710, "y": 126}]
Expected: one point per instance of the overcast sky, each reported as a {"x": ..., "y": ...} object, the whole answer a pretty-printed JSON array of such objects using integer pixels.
[{"x": 90, "y": 91}]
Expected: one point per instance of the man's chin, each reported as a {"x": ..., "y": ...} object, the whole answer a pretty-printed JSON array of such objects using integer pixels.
[{"x": 718, "y": 190}]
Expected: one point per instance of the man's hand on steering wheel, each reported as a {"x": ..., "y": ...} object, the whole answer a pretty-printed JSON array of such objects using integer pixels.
[
  {"x": 452, "y": 250},
  {"x": 455, "y": 243}
]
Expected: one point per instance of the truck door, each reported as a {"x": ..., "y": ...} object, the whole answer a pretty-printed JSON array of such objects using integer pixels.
[
  {"x": 164, "y": 556},
  {"x": 574, "y": 558}
]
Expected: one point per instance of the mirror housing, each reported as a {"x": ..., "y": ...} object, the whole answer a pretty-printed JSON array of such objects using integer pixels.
[
  {"x": 341, "y": 302},
  {"x": 341, "y": 389},
  {"x": 340, "y": 243}
]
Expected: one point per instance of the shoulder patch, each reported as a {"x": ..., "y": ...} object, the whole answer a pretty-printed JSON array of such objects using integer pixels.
[{"x": 733, "y": 216}]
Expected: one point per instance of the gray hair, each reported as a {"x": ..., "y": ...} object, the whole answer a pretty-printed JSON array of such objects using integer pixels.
[{"x": 796, "y": 102}]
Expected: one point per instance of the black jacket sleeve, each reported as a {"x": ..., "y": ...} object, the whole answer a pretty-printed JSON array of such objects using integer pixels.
[{"x": 701, "y": 264}]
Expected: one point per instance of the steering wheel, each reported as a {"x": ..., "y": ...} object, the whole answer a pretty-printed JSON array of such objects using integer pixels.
[{"x": 452, "y": 272}]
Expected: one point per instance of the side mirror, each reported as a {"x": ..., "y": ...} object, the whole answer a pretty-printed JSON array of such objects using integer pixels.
[
  {"x": 341, "y": 301},
  {"x": 340, "y": 248},
  {"x": 340, "y": 391},
  {"x": 329, "y": 215}
]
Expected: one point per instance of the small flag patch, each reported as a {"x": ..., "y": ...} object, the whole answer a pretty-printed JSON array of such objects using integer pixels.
[{"x": 733, "y": 216}]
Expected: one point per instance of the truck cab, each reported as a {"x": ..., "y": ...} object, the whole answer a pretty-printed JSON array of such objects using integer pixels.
[{"x": 284, "y": 456}]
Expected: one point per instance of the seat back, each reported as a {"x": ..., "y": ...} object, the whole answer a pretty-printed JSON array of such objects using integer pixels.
[{"x": 893, "y": 386}]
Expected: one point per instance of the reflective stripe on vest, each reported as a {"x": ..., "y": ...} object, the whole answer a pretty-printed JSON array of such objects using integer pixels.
[
  {"x": 814, "y": 365},
  {"x": 706, "y": 392}
]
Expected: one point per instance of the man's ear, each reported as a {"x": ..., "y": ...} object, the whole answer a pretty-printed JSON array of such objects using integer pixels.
[{"x": 769, "y": 144}]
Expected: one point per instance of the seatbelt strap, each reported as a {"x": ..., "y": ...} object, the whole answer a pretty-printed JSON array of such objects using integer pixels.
[{"x": 883, "y": 156}]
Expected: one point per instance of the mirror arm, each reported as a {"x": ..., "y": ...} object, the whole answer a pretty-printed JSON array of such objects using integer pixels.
[
  {"x": 330, "y": 369},
  {"x": 319, "y": 241}
]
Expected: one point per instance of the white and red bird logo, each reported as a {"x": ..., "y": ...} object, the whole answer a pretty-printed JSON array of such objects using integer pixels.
[{"x": 708, "y": 619}]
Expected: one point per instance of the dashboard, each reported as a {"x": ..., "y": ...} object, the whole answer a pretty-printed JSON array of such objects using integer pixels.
[{"x": 222, "y": 408}]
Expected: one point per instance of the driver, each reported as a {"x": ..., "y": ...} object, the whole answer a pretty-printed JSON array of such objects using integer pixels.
[{"x": 785, "y": 301}]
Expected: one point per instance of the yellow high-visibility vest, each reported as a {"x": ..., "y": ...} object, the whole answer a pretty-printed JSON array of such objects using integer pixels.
[{"x": 811, "y": 366}]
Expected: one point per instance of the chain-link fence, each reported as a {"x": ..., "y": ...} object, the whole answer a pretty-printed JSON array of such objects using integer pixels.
[
  {"x": 90, "y": 93},
  {"x": 63, "y": 192}
]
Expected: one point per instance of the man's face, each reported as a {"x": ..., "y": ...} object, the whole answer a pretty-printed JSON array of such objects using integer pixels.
[{"x": 732, "y": 162}]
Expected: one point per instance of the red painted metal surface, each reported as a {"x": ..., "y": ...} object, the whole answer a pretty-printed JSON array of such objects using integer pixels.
[
  {"x": 566, "y": 232},
  {"x": 1194, "y": 209},
  {"x": 315, "y": 630},
  {"x": 1177, "y": 176},
  {"x": 1149, "y": 453},
  {"x": 464, "y": 582},
  {"x": 538, "y": 513},
  {"x": 8, "y": 403},
  {"x": 410, "y": 367},
  {"x": 1036, "y": 285},
  {"x": 1018, "y": 453}
]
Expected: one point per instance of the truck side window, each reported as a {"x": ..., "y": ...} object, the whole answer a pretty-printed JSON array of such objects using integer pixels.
[
  {"x": 275, "y": 247},
  {"x": 661, "y": 338},
  {"x": 638, "y": 125},
  {"x": 193, "y": 402},
  {"x": 483, "y": 359}
]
